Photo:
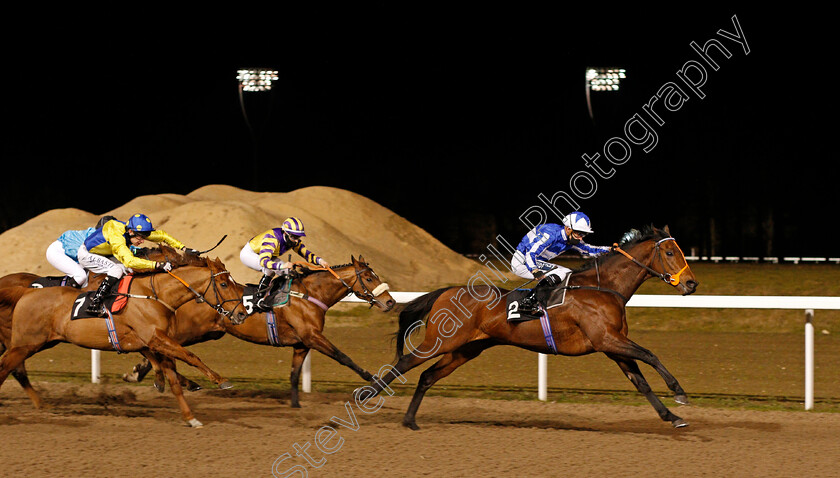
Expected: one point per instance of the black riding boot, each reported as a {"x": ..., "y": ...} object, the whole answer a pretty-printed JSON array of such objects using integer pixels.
[
  {"x": 262, "y": 289},
  {"x": 529, "y": 303},
  {"x": 104, "y": 289}
]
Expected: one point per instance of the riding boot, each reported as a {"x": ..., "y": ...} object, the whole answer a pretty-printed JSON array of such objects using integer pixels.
[
  {"x": 529, "y": 303},
  {"x": 262, "y": 290},
  {"x": 95, "y": 305},
  {"x": 71, "y": 282}
]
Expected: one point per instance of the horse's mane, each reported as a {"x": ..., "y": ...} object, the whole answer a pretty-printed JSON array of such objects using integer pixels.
[
  {"x": 307, "y": 271},
  {"x": 164, "y": 252},
  {"x": 628, "y": 239}
]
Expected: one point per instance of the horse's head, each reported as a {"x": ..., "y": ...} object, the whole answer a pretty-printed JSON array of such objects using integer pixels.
[
  {"x": 663, "y": 258},
  {"x": 226, "y": 294},
  {"x": 369, "y": 287}
]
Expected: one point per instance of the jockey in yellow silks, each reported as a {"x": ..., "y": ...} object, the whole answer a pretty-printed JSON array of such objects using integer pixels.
[{"x": 108, "y": 251}]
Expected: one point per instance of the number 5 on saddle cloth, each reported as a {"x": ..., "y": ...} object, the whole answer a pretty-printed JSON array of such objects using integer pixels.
[{"x": 277, "y": 295}]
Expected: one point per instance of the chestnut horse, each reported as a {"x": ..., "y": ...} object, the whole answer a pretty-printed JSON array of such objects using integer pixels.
[
  {"x": 41, "y": 319},
  {"x": 298, "y": 324},
  {"x": 463, "y": 321}
]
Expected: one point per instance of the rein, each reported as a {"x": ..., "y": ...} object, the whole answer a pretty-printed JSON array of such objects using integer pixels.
[
  {"x": 665, "y": 276},
  {"x": 368, "y": 295}
]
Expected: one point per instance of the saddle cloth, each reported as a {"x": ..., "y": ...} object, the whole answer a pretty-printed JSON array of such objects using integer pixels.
[
  {"x": 115, "y": 302},
  {"x": 546, "y": 298},
  {"x": 277, "y": 295}
]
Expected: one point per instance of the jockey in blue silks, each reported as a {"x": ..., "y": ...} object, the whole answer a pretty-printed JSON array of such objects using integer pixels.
[{"x": 544, "y": 243}]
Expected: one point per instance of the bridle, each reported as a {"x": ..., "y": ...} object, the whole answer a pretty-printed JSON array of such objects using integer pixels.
[
  {"x": 673, "y": 279},
  {"x": 202, "y": 299}
]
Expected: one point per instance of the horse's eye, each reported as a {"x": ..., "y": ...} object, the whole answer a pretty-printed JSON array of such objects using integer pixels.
[{"x": 669, "y": 253}]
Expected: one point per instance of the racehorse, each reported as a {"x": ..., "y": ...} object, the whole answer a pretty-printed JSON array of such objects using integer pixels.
[
  {"x": 463, "y": 321},
  {"x": 299, "y": 324},
  {"x": 41, "y": 319},
  {"x": 26, "y": 279}
]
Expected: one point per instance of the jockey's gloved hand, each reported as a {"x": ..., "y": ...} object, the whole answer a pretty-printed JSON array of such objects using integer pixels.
[
  {"x": 538, "y": 275},
  {"x": 164, "y": 266}
]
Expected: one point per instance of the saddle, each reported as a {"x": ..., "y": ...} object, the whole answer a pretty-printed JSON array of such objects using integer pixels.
[
  {"x": 114, "y": 303},
  {"x": 277, "y": 295},
  {"x": 546, "y": 298}
]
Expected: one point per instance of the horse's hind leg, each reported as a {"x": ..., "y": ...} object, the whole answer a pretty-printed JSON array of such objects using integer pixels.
[
  {"x": 443, "y": 367},
  {"x": 631, "y": 370},
  {"x": 139, "y": 372},
  {"x": 14, "y": 358},
  {"x": 23, "y": 379},
  {"x": 298, "y": 357},
  {"x": 165, "y": 345}
]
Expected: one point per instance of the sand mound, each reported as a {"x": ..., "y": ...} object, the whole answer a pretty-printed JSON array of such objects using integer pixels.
[{"x": 339, "y": 224}]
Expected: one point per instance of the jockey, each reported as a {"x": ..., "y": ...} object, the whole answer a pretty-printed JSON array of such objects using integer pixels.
[
  {"x": 262, "y": 252},
  {"x": 109, "y": 250},
  {"x": 547, "y": 241},
  {"x": 63, "y": 255}
]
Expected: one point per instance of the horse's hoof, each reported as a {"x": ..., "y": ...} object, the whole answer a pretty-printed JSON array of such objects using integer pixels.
[
  {"x": 160, "y": 387},
  {"x": 225, "y": 385},
  {"x": 193, "y": 387},
  {"x": 194, "y": 423},
  {"x": 679, "y": 423},
  {"x": 130, "y": 377},
  {"x": 681, "y": 399},
  {"x": 411, "y": 425}
]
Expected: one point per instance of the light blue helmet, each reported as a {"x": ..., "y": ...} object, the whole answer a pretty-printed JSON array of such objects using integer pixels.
[
  {"x": 579, "y": 222},
  {"x": 140, "y": 224}
]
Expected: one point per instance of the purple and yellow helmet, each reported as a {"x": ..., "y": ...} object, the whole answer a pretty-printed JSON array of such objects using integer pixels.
[{"x": 293, "y": 226}]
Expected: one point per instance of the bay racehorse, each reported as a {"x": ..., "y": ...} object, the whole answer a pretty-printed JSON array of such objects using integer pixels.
[
  {"x": 41, "y": 319},
  {"x": 298, "y": 324},
  {"x": 463, "y": 321}
]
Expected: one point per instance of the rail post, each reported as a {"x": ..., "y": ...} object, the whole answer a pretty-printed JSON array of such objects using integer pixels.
[{"x": 809, "y": 359}]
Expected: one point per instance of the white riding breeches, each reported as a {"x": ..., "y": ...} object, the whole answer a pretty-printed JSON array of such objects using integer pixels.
[
  {"x": 518, "y": 266},
  {"x": 61, "y": 261},
  {"x": 101, "y": 264},
  {"x": 251, "y": 260}
]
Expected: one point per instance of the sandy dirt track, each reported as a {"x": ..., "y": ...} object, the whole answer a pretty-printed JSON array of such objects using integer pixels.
[{"x": 93, "y": 430}]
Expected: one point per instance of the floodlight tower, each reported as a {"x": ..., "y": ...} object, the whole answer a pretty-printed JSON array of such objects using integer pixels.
[
  {"x": 602, "y": 79},
  {"x": 254, "y": 80}
]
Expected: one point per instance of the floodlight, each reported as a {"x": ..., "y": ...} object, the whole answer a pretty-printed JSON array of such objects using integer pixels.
[
  {"x": 256, "y": 79},
  {"x": 604, "y": 79}
]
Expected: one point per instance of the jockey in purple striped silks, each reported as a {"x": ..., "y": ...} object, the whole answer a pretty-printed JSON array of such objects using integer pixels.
[{"x": 262, "y": 253}]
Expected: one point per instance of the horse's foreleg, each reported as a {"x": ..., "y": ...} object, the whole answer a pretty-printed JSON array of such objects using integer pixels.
[
  {"x": 298, "y": 357},
  {"x": 165, "y": 345},
  {"x": 624, "y": 347},
  {"x": 139, "y": 372},
  {"x": 631, "y": 370},
  {"x": 316, "y": 340},
  {"x": 443, "y": 367},
  {"x": 168, "y": 366}
]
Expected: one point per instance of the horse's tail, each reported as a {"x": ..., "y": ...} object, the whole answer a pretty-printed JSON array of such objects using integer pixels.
[
  {"x": 414, "y": 311},
  {"x": 9, "y": 297}
]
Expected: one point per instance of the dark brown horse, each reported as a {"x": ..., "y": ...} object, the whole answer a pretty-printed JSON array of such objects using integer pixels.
[
  {"x": 299, "y": 324},
  {"x": 41, "y": 319},
  {"x": 463, "y": 321}
]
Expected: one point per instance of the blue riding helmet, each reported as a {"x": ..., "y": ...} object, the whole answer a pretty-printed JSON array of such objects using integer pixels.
[{"x": 140, "y": 224}]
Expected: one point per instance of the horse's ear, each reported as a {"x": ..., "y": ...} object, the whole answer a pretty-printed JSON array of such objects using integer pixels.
[
  {"x": 362, "y": 260},
  {"x": 667, "y": 230}
]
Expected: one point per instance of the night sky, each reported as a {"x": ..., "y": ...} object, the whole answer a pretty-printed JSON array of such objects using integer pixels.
[{"x": 456, "y": 120}]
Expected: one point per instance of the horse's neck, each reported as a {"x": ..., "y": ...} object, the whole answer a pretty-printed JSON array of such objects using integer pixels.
[
  {"x": 171, "y": 291},
  {"x": 326, "y": 288},
  {"x": 618, "y": 273}
]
